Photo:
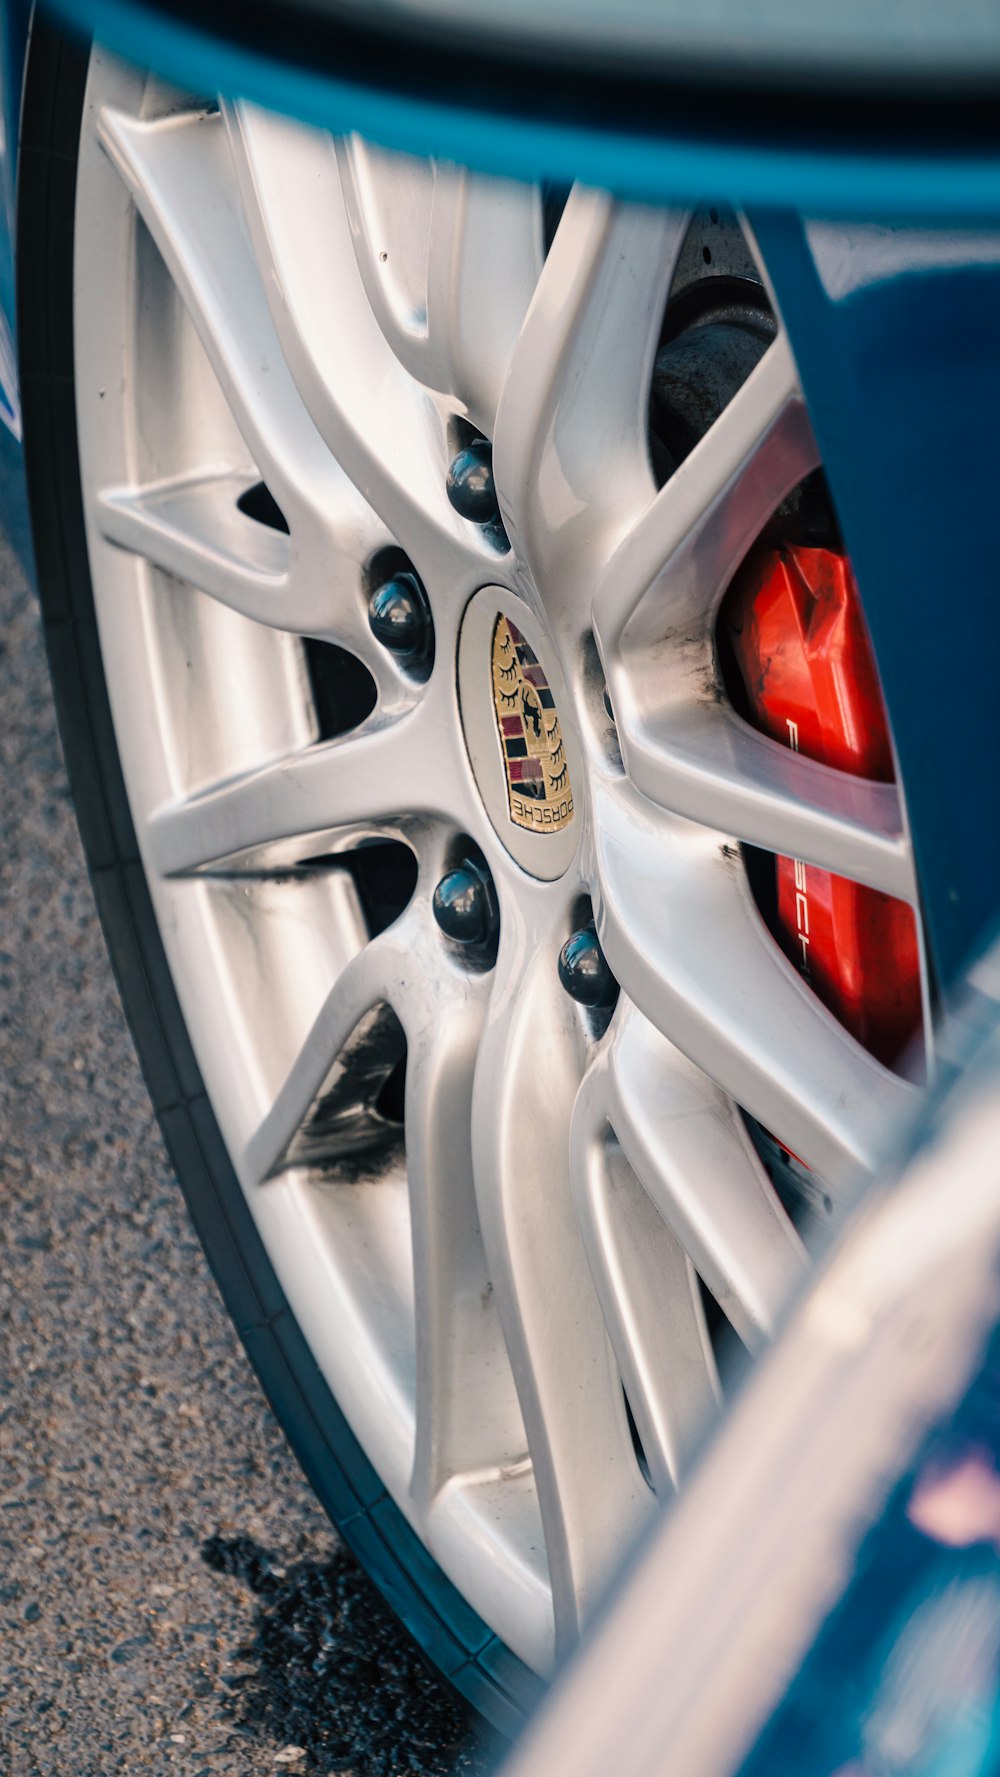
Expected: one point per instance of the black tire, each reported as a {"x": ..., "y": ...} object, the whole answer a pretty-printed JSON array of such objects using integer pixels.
[{"x": 450, "y": 1634}]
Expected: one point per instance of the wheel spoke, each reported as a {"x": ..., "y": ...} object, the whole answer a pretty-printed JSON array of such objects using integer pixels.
[
  {"x": 484, "y": 263},
  {"x": 708, "y": 764},
  {"x": 590, "y": 1490},
  {"x": 402, "y": 987},
  {"x": 690, "y": 1148},
  {"x": 449, "y": 261},
  {"x": 195, "y": 531},
  {"x": 570, "y": 452},
  {"x": 298, "y": 806},
  {"x": 378, "y": 422},
  {"x": 180, "y": 174},
  {"x": 389, "y": 198},
  {"x": 654, "y": 617},
  {"x": 686, "y": 941},
  {"x": 468, "y": 1420},
  {"x": 671, "y": 569},
  {"x": 649, "y": 1295}
]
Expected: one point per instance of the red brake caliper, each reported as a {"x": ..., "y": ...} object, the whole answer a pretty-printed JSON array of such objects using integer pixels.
[{"x": 794, "y": 625}]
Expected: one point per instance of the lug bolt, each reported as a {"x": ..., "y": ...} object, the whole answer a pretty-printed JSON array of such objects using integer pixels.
[
  {"x": 470, "y": 484},
  {"x": 399, "y": 617},
  {"x": 584, "y": 972},
  {"x": 464, "y": 906}
]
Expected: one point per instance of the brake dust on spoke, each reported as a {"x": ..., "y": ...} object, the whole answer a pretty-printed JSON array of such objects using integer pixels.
[{"x": 330, "y": 1671}]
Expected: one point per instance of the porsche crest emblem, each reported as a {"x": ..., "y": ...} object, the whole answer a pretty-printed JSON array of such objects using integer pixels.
[{"x": 539, "y": 795}]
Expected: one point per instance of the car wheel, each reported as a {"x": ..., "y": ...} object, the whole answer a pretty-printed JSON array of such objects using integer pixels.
[{"x": 387, "y": 519}]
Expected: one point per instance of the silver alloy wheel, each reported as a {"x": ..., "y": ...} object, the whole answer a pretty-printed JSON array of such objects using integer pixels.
[{"x": 486, "y": 1280}]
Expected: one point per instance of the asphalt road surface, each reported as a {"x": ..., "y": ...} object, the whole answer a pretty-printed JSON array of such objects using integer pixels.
[{"x": 172, "y": 1599}]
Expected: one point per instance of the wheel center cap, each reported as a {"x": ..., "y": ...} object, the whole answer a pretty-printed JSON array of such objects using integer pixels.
[
  {"x": 514, "y": 709},
  {"x": 539, "y": 794}
]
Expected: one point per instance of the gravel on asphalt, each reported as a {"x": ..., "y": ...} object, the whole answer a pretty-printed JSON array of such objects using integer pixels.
[{"x": 172, "y": 1598}]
